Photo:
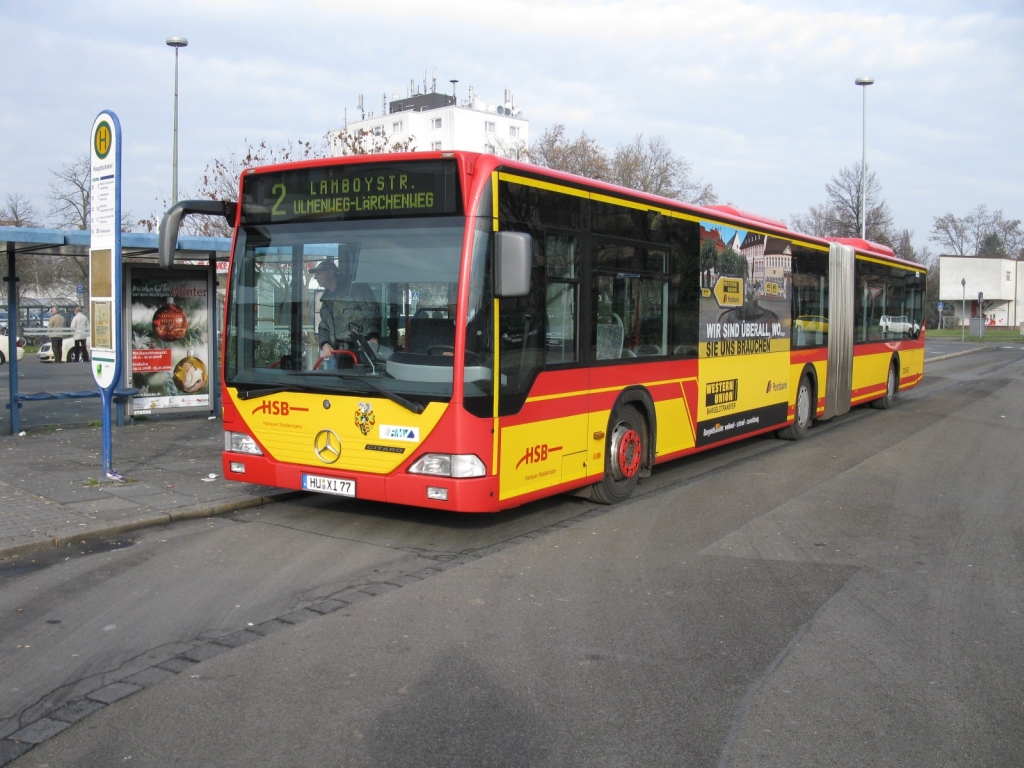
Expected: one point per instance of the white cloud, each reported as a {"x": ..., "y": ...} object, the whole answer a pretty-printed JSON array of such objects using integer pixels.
[{"x": 759, "y": 96}]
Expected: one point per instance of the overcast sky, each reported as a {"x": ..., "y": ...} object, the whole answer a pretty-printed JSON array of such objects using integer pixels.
[{"x": 758, "y": 96}]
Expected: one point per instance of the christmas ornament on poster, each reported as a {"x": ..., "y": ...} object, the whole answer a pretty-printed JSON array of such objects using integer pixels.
[
  {"x": 190, "y": 374},
  {"x": 170, "y": 322}
]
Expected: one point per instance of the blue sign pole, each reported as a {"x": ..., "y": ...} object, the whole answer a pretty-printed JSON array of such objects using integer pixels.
[{"x": 105, "y": 290}]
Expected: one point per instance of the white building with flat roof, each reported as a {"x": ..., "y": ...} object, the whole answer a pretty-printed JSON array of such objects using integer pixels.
[
  {"x": 436, "y": 121},
  {"x": 1000, "y": 281}
]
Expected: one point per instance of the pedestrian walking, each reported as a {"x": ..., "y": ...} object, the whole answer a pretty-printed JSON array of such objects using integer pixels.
[
  {"x": 80, "y": 331},
  {"x": 56, "y": 323}
]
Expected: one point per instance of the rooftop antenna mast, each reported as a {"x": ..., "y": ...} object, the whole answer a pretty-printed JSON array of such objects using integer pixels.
[{"x": 454, "y": 95}]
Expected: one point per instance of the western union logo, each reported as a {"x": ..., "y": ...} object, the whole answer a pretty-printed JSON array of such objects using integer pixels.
[
  {"x": 729, "y": 291},
  {"x": 718, "y": 392}
]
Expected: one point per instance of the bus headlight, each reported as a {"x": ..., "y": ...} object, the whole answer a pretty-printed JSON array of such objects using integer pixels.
[
  {"x": 448, "y": 465},
  {"x": 237, "y": 442}
]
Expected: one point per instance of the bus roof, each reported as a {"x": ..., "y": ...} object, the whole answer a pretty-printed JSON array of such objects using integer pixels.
[{"x": 472, "y": 162}]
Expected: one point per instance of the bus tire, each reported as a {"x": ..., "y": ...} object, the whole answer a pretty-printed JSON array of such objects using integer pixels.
[
  {"x": 892, "y": 385},
  {"x": 624, "y": 457},
  {"x": 804, "y": 412}
]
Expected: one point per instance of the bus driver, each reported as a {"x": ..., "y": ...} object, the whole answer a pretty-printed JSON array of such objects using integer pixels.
[{"x": 344, "y": 304}]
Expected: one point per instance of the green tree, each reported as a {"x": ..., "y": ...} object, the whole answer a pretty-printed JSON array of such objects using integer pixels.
[{"x": 708, "y": 260}]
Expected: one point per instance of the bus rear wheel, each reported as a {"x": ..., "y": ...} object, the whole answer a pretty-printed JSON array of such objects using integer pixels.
[
  {"x": 892, "y": 384},
  {"x": 804, "y": 412},
  {"x": 624, "y": 457}
]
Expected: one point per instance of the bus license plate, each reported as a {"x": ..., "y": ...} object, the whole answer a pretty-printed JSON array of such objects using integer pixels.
[{"x": 336, "y": 485}]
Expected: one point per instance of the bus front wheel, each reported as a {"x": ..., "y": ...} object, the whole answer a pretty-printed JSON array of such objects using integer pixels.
[
  {"x": 624, "y": 457},
  {"x": 804, "y": 412}
]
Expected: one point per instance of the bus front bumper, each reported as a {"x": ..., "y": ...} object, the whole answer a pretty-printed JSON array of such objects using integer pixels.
[{"x": 476, "y": 494}]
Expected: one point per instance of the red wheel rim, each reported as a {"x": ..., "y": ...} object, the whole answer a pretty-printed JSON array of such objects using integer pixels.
[{"x": 629, "y": 453}]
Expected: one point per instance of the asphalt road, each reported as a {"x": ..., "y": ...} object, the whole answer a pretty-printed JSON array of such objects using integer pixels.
[{"x": 852, "y": 599}]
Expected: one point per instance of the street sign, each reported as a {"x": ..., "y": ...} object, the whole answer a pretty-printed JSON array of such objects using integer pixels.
[
  {"x": 105, "y": 266},
  {"x": 80, "y": 288},
  {"x": 729, "y": 291}
]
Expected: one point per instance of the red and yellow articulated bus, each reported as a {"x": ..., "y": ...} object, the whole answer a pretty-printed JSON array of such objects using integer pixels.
[{"x": 523, "y": 332}]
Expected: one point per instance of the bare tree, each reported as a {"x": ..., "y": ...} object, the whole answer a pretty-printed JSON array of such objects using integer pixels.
[
  {"x": 70, "y": 196},
  {"x": 364, "y": 142},
  {"x": 980, "y": 232},
  {"x": 69, "y": 193},
  {"x": 840, "y": 214},
  {"x": 820, "y": 220},
  {"x": 904, "y": 247},
  {"x": 17, "y": 211},
  {"x": 650, "y": 165},
  {"x": 514, "y": 149},
  {"x": 220, "y": 177},
  {"x": 582, "y": 156}
]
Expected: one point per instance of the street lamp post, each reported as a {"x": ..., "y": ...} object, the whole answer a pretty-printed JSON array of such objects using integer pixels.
[
  {"x": 963, "y": 308},
  {"x": 864, "y": 82},
  {"x": 175, "y": 43}
]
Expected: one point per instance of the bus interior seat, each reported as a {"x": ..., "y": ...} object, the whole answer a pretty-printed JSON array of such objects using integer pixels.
[{"x": 427, "y": 332}]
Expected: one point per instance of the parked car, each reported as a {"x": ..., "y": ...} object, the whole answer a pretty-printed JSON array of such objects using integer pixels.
[
  {"x": 68, "y": 352},
  {"x": 4, "y": 347},
  {"x": 899, "y": 324}
]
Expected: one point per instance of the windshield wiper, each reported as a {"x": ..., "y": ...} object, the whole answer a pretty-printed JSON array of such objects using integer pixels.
[
  {"x": 249, "y": 394},
  {"x": 370, "y": 384}
]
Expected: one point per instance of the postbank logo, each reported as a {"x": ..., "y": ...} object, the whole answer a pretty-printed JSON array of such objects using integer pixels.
[
  {"x": 537, "y": 454},
  {"x": 776, "y": 386},
  {"x": 406, "y": 434},
  {"x": 102, "y": 140}
]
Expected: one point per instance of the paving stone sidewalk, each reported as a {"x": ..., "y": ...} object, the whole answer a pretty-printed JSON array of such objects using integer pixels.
[{"x": 53, "y": 492}]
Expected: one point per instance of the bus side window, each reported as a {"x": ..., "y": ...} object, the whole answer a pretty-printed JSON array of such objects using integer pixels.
[{"x": 562, "y": 255}]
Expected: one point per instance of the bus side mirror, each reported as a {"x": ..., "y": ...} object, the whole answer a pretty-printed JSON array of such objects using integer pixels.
[
  {"x": 169, "y": 224},
  {"x": 513, "y": 263}
]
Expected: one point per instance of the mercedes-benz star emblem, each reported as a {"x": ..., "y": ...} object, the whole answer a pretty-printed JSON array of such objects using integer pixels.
[{"x": 327, "y": 446}]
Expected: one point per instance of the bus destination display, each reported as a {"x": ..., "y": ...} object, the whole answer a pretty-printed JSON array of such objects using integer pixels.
[{"x": 351, "y": 192}]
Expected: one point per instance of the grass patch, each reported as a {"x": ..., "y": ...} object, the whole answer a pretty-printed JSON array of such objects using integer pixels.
[{"x": 991, "y": 334}]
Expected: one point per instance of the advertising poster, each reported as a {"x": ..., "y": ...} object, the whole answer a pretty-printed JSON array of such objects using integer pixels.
[
  {"x": 745, "y": 292},
  {"x": 170, "y": 344},
  {"x": 745, "y": 317}
]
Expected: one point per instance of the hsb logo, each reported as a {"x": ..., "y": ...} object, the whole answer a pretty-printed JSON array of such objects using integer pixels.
[
  {"x": 535, "y": 454},
  {"x": 276, "y": 408}
]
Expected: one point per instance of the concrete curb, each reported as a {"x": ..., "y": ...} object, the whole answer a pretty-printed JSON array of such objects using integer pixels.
[
  {"x": 955, "y": 354},
  {"x": 143, "y": 521}
]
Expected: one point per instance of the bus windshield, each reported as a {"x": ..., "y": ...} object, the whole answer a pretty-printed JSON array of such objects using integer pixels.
[{"x": 348, "y": 307}]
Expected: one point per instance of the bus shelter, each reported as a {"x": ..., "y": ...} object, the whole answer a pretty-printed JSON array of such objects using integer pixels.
[{"x": 170, "y": 319}]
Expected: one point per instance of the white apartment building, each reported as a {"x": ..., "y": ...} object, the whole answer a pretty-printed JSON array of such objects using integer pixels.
[
  {"x": 1000, "y": 281},
  {"x": 436, "y": 121}
]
